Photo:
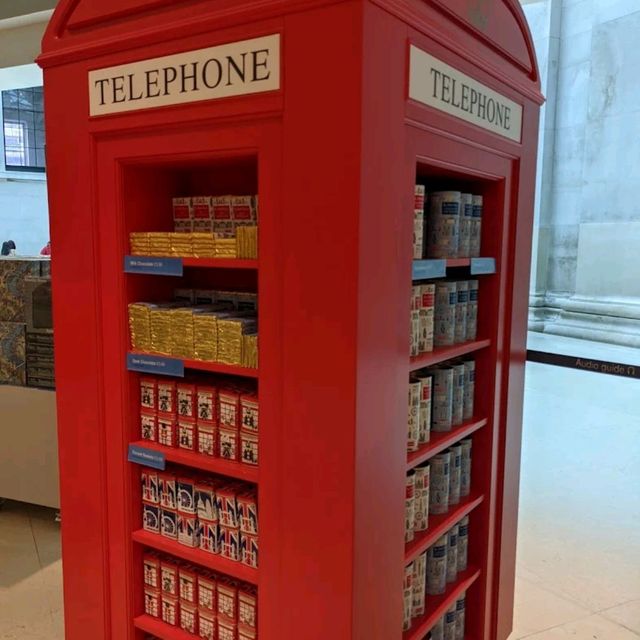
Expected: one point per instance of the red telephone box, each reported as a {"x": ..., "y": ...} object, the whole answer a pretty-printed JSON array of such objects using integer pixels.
[{"x": 331, "y": 112}]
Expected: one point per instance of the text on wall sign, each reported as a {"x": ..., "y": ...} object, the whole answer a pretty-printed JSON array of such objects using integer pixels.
[
  {"x": 443, "y": 87},
  {"x": 237, "y": 68}
]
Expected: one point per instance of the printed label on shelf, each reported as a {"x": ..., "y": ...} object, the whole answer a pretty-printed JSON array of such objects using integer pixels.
[
  {"x": 155, "y": 266},
  {"x": 426, "y": 269},
  {"x": 146, "y": 457},
  {"x": 482, "y": 266},
  {"x": 155, "y": 364}
]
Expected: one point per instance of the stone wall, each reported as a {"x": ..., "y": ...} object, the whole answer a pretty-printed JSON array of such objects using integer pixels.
[{"x": 588, "y": 210}]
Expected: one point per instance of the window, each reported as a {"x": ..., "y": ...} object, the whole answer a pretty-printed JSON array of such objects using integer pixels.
[{"x": 23, "y": 129}]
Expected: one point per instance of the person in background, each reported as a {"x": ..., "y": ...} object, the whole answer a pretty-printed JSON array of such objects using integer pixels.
[
  {"x": 46, "y": 250},
  {"x": 8, "y": 248}
]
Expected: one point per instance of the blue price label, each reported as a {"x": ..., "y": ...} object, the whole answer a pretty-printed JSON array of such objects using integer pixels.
[
  {"x": 427, "y": 269},
  {"x": 146, "y": 457},
  {"x": 483, "y": 266},
  {"x": 154, "y": 266},
  {"x": 155, "y": 364}
]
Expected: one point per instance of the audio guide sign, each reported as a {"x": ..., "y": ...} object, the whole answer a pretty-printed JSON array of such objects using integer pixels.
[
  {"x": 443, "y": 87},
  {"x": 237, "y": 68}
]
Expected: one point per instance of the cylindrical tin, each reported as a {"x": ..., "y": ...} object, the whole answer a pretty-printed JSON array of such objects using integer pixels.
[
  {"x": 465, "y": 467},
  {"x": 444, "y": 332},
  {"x": 463, "y": 543},
  {"x": 462, "y": 288},
  {"x": 457, "y": 406},
  {"x": 437, "y": 567},
  {"x": 452, "y": 554},
  {"x": 413, "y": 426},
  {"x": 466, "y": 217},
  {"x": 437, "y": 631},
  {"x": 421, "y": 519},
  {"x": 427, "y": 317},
  {"x": 414, "y": 333},
  {"x": 442, "y": 407},
  {"x": 469, "y": 389},
  {"x": 439, "y": 478},
  {"x": 472, "y": 310},
  {"x": 450, "y": 623},
  {"x": 407, "y": 594},
  {"x": 455, "y": 474},
  {"x": 426, "y": 390},
  {"x": 419, "y": 585},
  {"x": 419, "y": 197},
  {"x": 476, "y": 227},
  {"x": 410, "y": 507},
  {"x": 418, "y": 234},
  {"x": 460, "y": 615},
  {"x": 443, "y": 225}
]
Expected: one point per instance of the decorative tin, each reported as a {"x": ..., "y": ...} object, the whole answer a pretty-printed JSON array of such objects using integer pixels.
[
  {"x": 472, "y": 310},
  {"x": 168, "y": 490},
  {"x": 187, "y": 437},
  {"x": 466, "y": 217},
  {"x": 227, "y": 600},
  {"x": 188, "y": 530},
  {"x": 169, "y": 576},
  {"x": 167, "y": 431},
  {"x": 169, "y": 523},
  {"x": 445, "y": 313},
  {"x": 247, "y": 511},
  {"x": 422, "y": 477},
  {"x": 443, "y": 224},
  {"x": 167, "y": 396},
  {"x": 439, "y": 490},
  {"x": 150, "y": 517},
  {"x": 457, "y": 405},
  {"x": 413, "y": 428},
  {"x": 460, "y": 616},
  {"x": 475, "y": 236},
  {"x": 170, "y": 610},
  {"x": 249, "y": 447},
  {"x": 462, "y": 301},
  {"x": 208, "y": 537},
  {"x": 249, "y": 413},
  {"x": 442, "y": 408},
  {"x": 152, "y": 602},
  {"x": 149, "y": 427},
  {"x": 206, "y": 593},
  {"x": 450, "y": 623},
  {"x": 188, "y": 618},
  {"x": 148, "y": 394},
  {"x": 186, "y": 495},
  {"x": 249, "y": 550},
  {"x": 455, "y": 474},
  {"x": 187, "y": 584},
  {"x": 409, "y": 522},
  {"x": 437, "y": 567},
  {"x": 151, "y": 570},
  {"x": 452, "y": 554},
  {"x": 248, "y": 608},
  {"x": 424, "y": 420},
  {"x": 465, "y": 471},
  {"x": 463, "y": 542},
  {"x": 469, "y": 389},
  {"x": 419, "y": 585},
  {"x": 207, "y": 625},
  {"x": 206, "y": 402},
  {"x": 206, "y": 501}
]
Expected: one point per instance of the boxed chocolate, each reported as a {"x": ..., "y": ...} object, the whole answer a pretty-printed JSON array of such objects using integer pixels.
[
  {"x": 247, "y": 509},
  {"x": 207, "y": 439},
  {"x": 149, "y": 427},
  {"x": 187, "y": 584},
  {"x": 167, "y": 431},
  {"x": 208, "y": 536},
  {"x": 169, "y": 523},
  {"x": 186, "y": 434},
  {"x": 186, "y": 495},
  {"x": 168, "y": 490},
  {"x": 206, "y": 592},
  {"x": 206, "y": 403},
  {"x": 206, "y": 502},
  {"x": 151, "y": 570},
  {"x": 186, "y": 394},
  {"x": 188, "y": 530},
  {"x": 152, "y": 602},
  {"x": 151, "y": 517},
  {"x": 249, "y": 550},
  {"x": 227, "y": 600},
  {"x": 229, "y": 543},
  {"x": 188, "y": 617},
  {"x": 170, "y": 610},
  {"x": 182, "y": 209},
  {"x": 249, "y": 447},
  {"x": 207, "y": 625},
  {"x": 169, "y": 576},
  {"x": 248, "y": 608},
  {"x": 229, "y": 442},
  {"x": 227, "y": 507}
]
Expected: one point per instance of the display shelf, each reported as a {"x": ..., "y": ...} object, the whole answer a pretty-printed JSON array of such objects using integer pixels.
[
  {"x": 441, "y": 441},
  {"x": 227, "y": 468},
  {"x": 161, "y": 629},
  {"x": 220, "y": 263},
  {"x": 195, "y": 365},
  {"x": 437, "y": 605},
  {"x": 202, "y": 558},
  {"x": 439, "y": 525},
  {"x": 441, "y": 354}
]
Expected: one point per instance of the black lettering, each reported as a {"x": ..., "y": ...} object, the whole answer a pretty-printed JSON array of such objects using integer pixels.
[
  {"x": 152, "y": 82},
  {"x": 446, "y": 88},
  {"x": 232, "y": 65},
  {"x": 474, "y": 100},
  {"x": 453, "y": 94},
  {"x": 464, "y": 105},
  {"x": 184, "y": 76},
  {"x": 118, "y": 87},
  {"x": 482, "y": 106},
  {"x": 205, "y": 73},
  {"x": 507, "y": 117},
  {"x": 131, "y": 92},
  {"x": 500, "y": 114},
  {"x": 491, "y": 110},
  {"x": 436, "y": 76},
  {"x": 100, "y": 83},
  {"x": 260, "y": 64},
  {"x": 169, "y": 75}
]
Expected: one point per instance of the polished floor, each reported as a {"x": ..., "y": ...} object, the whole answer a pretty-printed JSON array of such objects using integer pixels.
[{"x": 579, "y": 536}]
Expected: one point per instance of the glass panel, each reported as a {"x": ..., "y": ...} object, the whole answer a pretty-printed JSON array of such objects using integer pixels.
[
  {"x": 40, "y": 158},
  {"x": 25, "y": 98},
  {"x": 9, "y": 98}
]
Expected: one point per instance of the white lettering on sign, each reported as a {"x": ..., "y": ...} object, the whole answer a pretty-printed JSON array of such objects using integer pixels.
[
  {"x": 443, "y": 87},
  {"x": 237, "y": 68}
]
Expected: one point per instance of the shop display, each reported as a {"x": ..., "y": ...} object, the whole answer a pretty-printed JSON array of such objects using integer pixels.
[
  {"x": 203, "y": 603},
  {"x": 212, "y": 514},
  {"x": 218, "y": 418},
  {"x": 428, "y": 575},
  {"x": 211, "y": 332},
  {"x": 446, "y": 224},
  {"x": 440, "y": 398},
  {"x": 12, "y": 353},
  {"x": 422, "y": 318}
]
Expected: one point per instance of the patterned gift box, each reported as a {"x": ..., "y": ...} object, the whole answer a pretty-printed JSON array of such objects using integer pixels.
[{"x": 12, "y": 353}]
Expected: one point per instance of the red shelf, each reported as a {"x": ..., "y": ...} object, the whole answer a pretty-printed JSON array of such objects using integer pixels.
[
  {"x": 236, "y": 470},
  {"x": 441, "y": 441},
  {"x": 219, "y": 263},
  {"x": 439, "y": 525},
  {"x": 446, "y": 353},
  {"x": 219, "y": 367},
  {"x": 161, "y": 629},
  {"x": 437, "y": 605},
  {"x": 203, "y": 558}
]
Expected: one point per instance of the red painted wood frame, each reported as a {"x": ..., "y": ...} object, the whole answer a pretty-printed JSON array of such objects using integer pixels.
[{"x": 334, "y": 156}]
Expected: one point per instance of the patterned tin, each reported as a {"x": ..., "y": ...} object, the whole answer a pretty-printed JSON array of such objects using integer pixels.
[
  {"x": 413, "y": 426},
  {"x": 419, "y": 585},
  {"x": 469, "y": 389},
  {"x": 472, "y": 310},
  {"x": 462, "y": 288},
  {"x": 409, "y": 521},
  {"x": 439, "y": 490},
  {"x": 466, "y": 216},
  {"x": 437, "y": 567},
  {"x": 421, "y": 500},
  {"x": 452, "y": 554},
  {"x": 169, "y": 523},
  {"x": 465, "y": 467},
  {"x": 445, "y": 313},
  {"x": 424, "y": 420},
  {"x": 442, "y": 407},
  {"x": 188, "y": 530},
  {"x": 443, "y": 224},
  {"x": 455, "y": 474},
  {"x": 457, "y": 404},
  {"x": 475, "y": 236}
]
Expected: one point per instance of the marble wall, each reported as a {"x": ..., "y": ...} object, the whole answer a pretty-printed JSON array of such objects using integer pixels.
[{"x": 588, "y": 209}]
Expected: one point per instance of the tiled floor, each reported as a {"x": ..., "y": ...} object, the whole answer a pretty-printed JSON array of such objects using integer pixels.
[{"x": 579, "y": 537}]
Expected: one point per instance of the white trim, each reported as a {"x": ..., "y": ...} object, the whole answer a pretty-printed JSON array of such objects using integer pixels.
[{"x": 23, "y": 21}]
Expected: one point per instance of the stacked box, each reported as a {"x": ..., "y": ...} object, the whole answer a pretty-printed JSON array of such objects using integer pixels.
[
  {"x": 247, "y": 242},
  {"x": 182, "y": 215},
  {"x": 12, "y": 353},
  {"x": 418, "y": 222}
]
